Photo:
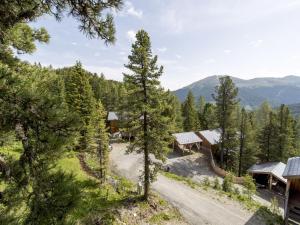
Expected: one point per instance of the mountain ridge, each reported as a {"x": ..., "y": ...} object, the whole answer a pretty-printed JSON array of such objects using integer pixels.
[{"x": 252, "y": 92}]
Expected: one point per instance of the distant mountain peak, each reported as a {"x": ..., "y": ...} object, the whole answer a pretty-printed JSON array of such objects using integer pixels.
[{"x": 252, "y": 92}]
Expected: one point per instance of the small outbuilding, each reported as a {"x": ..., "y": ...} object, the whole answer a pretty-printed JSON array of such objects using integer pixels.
[
  {"x": 292, "y": 193},
  {"x": 269, "y": 174},
  {"x": 186, "y": 141},
  {"x": 112, "y": 122},
  {"x": 210, "y": 138}
]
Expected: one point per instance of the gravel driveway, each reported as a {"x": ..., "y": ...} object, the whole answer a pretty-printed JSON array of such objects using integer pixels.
[{"x": 198, "y": 207}]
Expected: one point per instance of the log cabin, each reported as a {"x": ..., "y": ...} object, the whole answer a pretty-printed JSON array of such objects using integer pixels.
[
  {"x": 210, "y": 138},
  {"x": 186, "y": 141},
  {"x": 112, "y": 122},
  {"x": 292, "y": 194}
]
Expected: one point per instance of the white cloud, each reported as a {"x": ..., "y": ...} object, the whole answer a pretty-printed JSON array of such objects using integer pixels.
[
  {"x": 122, "y": 53},
  {"x": 197, "y": 15},
  {"x": 131, "y": 35},
  {"x": 209, "y": 61},
  {"x": 227, "y": 51},
  {"x": 178, "y": 56},
  {"x": 167, "y": 61},
  {"x": 163, "y": 49},
  {"x": 131, "y": 10},
  {"x": 97, "y": 54},
  {"x": 74, "y": 43},
  {"x": 114, "y": 73},
  {"x": 256, "y": 43}
]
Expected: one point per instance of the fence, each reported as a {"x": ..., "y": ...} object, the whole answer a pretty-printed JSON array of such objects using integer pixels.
[{"x": 219, "y": 171}]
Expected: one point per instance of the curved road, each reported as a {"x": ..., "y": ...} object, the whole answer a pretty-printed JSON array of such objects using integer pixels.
[{"x": 198, "y": 207}]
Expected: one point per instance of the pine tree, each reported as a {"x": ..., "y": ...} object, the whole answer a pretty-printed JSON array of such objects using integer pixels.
[
  {"x": 190, "y": 120},
  {"x": 146, "y": 106},
  {"x": 174, "y": 112},
  {"x": 93, "y": 22},
  {"x": 101, "y": 137},
  {"x": 201, "y": 107},
  {"x": 247, "y": 142},
  {"x": 262, "y": 114},
  {"x": 267, "y": 139},
  {"x": 208, "y": 119},
  {"x": 285, "y": 134},
  {"x": 226, "y": 101},
  {"x": 80, "y": 99}
]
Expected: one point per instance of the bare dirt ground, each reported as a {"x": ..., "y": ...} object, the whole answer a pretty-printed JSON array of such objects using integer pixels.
[
  {"x": 196, "y": 167},
  {"x": 198, "y": 207}
]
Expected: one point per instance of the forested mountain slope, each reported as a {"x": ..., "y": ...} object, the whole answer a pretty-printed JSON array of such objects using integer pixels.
[{"x": 251, "y": 92}]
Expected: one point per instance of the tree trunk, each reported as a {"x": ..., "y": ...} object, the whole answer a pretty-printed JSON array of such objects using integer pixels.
[{"x": 146, "y": 164}]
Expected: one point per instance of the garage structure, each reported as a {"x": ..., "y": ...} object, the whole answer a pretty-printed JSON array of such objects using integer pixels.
[
  {"x": 292, "y": 193},
  {"x": 270, "y": 175},
  {"x": 211, "y": 138},
  {"x": 186, "y": 141}
]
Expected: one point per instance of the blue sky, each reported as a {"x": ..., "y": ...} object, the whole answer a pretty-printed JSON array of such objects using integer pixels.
[{"x": 193, "y": 39}]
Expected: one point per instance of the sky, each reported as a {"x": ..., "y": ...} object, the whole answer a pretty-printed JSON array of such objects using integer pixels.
[{"x": 192, "y": 38}]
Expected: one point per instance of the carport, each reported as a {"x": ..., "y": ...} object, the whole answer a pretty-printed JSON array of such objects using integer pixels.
[
  {"x": 186, "y": 141},
  {"x": 269, "y": 174}
]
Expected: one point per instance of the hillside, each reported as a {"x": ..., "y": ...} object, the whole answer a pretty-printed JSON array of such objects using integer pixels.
[{"x": 251, "y": 92}]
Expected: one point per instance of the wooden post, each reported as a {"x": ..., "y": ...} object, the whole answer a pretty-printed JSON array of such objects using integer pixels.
[
  {"x": 286, "y": 202},
  {"x": 270, "y": 182}
]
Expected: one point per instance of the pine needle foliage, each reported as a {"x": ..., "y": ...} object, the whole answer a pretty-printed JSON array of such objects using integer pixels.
[{"x": 147, "y": 106}]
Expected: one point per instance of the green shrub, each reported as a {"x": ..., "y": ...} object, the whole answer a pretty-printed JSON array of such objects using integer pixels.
[
  {"x": 206, "y": 182},
  {"x": 237, "y": 191},
  {"x": 217, "y": 184},
  {"x": 227, "y": 185},
  {"x": 249, "y": 185}
]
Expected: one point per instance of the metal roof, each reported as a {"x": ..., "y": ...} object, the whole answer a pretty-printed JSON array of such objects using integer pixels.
[
  {"x": 293, "y": 168},
  {"x": 212, "y": 136},
  {"x": 112, "y": 116},
  {"x": 187, "y": 138},
  {"x": 274, "y": 168}
]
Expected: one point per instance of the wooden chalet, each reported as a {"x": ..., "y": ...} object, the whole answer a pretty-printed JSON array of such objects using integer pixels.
[
  {"x": 186, "y": 141},
  {"x": 292, "y": 194},
  {"x": 210, "y": 138},
  {"x": 112, "y": 122},
  {"x": 269, "y": 175}
]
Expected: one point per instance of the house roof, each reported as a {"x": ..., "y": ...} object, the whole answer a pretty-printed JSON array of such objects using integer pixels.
[
  {"x": 187, "y": 138},
  {"x": 274, "y": 168},
  {"x": 293, "y": 168},
  {"x": 212, "y": 136},
  {"x": 112, "y": 116}
]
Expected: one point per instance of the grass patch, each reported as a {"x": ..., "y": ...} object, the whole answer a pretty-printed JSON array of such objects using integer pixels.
[
  {"x": 185, "y": 180},
  {"x": 12, "y": 150}
]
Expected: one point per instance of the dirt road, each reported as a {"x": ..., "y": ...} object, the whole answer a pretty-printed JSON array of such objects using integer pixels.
[{"x": 198, "y": 207}]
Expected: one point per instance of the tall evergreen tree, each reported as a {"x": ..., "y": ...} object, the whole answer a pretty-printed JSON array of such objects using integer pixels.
[
  {"x": 267, "y": 139},
  {"x": 285, "y": 134},
  {"x": 101, "y": 137},
  {"x": 80, "y": 99},
  {"x": 247, "y": 142},
  {"x": 200, "y": 110},
  {"x": 174, "y": 112},
  {"x": 190, "y": 117},
  {"x": 208, "y": 119},
  {"x": 262, "y": 114},
  {"x": 147, "y": 103},
  {"x": 226, "y": 101}
]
